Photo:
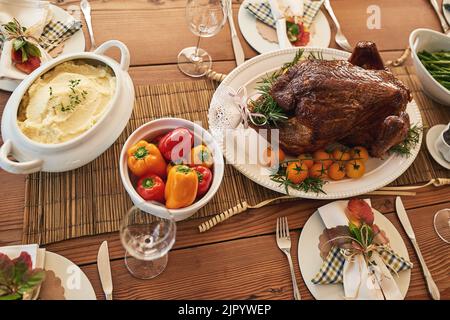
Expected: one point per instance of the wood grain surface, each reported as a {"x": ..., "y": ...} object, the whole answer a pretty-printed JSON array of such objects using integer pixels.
[{"x": 238, "y": 259}]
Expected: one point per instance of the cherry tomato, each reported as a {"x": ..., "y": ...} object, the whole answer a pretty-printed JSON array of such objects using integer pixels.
[
  {"x": 359, "y": 153},
  {"x": 307, "y": 159},
  {"x": 355, "y": 169},
  {"x": 318, "y": 170},
  {"x": 323, "y": 157},
  {"x": 176, "y": 145},
  {"x": 151, "y": 187},
  {"x": 336, "y": 171},
  {"x": 270, "y": 158},
  {"x": 296, "y": 172},
  {"x": 205, "y": 177},
  {"x": 341, "y": 155}
]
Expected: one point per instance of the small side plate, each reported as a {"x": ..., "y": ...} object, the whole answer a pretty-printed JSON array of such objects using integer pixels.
[{"x": 432, "y": 135}]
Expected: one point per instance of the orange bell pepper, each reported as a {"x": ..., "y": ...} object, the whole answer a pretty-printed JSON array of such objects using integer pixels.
[
  {"x": 145, "y": 158},
  {"x": 181, "y": 187}
]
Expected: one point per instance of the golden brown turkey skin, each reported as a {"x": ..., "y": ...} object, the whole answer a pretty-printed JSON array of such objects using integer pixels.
[{"x": 337, "y": 101}]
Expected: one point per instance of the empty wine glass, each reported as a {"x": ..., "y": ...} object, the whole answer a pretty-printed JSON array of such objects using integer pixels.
[
  {"x": 442, "y": 224},
  {"x": 147, "y": 240},
  {"x": 205, "y": 19}
]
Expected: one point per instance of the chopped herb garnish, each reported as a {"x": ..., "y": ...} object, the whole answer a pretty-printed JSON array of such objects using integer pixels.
[{"x": 74, "y": 96}]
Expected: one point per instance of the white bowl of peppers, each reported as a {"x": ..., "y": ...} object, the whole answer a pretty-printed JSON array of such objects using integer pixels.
[{"x": 171, "y": 165}]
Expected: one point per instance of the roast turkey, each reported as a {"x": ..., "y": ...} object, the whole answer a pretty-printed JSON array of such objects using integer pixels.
[{"x": 355, "y": 102}]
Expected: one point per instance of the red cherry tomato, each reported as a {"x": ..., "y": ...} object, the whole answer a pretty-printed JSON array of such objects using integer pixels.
[
  {"x": 175, "y": 144},
  {"x": 151, "y": 187},
  {"x": 204, "y": 180}
]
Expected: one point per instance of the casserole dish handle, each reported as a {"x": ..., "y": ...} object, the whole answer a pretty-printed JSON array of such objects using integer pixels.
[
  {"x": 124, "y": 52},
  {"x": 17, "y": 167}
]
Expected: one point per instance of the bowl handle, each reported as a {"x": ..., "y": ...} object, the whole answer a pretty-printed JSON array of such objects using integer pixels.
[
  {"x": 17, "y": 167},
  {"x": 413, "y": 40},
  {"x": 124, "y": 52}
]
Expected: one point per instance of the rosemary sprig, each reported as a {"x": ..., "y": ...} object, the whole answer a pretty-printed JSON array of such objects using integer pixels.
[
  {"x": 265, "y": 104},
  {"x": 412, "y": 139},
  {"x": 310, "y": 184}
]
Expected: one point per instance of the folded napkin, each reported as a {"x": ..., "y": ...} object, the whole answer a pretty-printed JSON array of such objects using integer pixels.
[
  {"x": 262, "y": 12},
  {"x": 36, "y": 17},
  {"x": 361, "y": 279}
]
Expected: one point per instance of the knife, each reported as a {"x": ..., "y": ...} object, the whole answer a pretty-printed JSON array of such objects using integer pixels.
[
  {"x": 278, "y": 16},
  {"x": 445, "y": 5},
  {"x": 237, "y": 47},
  {"x": 403, "y": 217},
  {"x": 104, "y": 270},
  {"x": 444, "y": 25}
]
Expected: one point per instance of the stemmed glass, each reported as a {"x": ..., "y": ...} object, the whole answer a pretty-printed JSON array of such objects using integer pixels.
[
  {"x": 147, "y": 240},
  {"x": 205, "y": 19},
  {"x": 442, "y": 224}
]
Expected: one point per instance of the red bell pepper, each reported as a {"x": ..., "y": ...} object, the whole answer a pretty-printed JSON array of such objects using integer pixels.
[
  {"x": 176, "y": 145},
  {"x": 205, "y": 177},
  {"x": 151, "y": 187}
]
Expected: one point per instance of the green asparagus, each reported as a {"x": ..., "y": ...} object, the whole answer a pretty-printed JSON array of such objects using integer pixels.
[{"x": 438, "y": 65}]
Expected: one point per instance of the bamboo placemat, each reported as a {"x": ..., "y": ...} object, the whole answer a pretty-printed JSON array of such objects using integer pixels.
[{"x": 91, "y": 200}]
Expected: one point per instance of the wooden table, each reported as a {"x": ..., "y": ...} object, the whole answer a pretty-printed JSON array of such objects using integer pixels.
[{"x": 238, "y": 259}]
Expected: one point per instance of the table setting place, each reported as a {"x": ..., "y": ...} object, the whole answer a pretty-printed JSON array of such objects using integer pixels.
[{"x": 316, "y": 120}]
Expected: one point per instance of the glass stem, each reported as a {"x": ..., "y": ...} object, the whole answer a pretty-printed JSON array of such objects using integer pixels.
[{"x": 196, "y": 57}]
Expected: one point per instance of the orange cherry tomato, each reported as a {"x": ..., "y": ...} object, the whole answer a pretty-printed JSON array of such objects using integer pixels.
[
  {"x": 336, "y": 171},
  {"x": 323, "y": 157},
  {"x": 318, "y": 170},
  {"x": 307, "y": 159},
  {"x": 355, "y": 169},
  {"x": 270, "y": 158},
  {"x": 341, "y": 155},
  {"x": 359, "y": 153},
  {"x": 297, "y": 172}
]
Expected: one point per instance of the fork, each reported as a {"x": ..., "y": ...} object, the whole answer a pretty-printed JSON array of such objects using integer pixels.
[
  {"x": 341, "y": 40},
  {"x": 284, "y": 243}
]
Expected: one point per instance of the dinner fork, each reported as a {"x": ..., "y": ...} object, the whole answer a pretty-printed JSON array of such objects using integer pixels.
[
  {"x": 341, "y": 40},
  {"x": 284, "y": 243}
]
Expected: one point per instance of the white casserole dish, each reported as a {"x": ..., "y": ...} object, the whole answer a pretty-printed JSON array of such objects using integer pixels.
[
  {"x": 432, "y": 41},
  {"x": 32, "y": 156}
]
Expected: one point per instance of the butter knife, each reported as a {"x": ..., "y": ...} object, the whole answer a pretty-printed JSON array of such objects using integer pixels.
[
  {"x": 86, "y": 9},
  {"x": 237, "y": 47},
  {"x": 104, "y": 270},
  {"x": 445, "y": 5},
  {"x": 278, "y": 16},
  {"x": 444, "y": 24},
  {"x": 403, "y": 217}
]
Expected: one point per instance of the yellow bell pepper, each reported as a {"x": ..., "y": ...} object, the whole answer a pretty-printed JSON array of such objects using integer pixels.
[
  {"x": 181, "y": 187},
  {"x": 201, "y": 156},
  {"x": 145, "y": 158}
]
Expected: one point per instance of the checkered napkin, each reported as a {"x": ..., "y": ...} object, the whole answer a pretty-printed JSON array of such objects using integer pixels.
[
  {"x": 331, "y": 271},
  {"x": 262, "y": 12},
  {"x": 56, "y": 32}
]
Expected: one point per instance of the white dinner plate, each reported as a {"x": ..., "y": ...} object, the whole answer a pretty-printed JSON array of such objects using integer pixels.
[
  {"x": 432, "y": 136},
  {"x": 320, "y": 31},
  {"x": 379, "y": 172},
  {"x": 76, "y": 43},
  {"x": 75, "y": 282},
  {"x": 310, "y": 261}
]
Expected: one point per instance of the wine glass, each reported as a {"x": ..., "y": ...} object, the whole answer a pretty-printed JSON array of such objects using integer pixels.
[
  {"x": 442, "y": 224},
  {"x": 205, "y": 19},
  {"x": 147, "y": 239}
]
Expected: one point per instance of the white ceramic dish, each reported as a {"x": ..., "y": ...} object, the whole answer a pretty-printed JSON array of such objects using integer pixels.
[
  {"x": 432, "y": 136},
  {"x": 310, "y": 261},
  {"x": 425, "y": 39},
  {"x": 76, "y": 43},
  {"x": 32, "y": 156},
  {"x": 320, "y": 31},
  {"x": 153, "y": 129},
  {"x": 75, "y": 282},
  {"x": 378, "y": 174}
]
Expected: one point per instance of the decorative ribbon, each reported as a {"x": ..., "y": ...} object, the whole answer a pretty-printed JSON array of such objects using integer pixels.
[{"x": 240, "y": 98}]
